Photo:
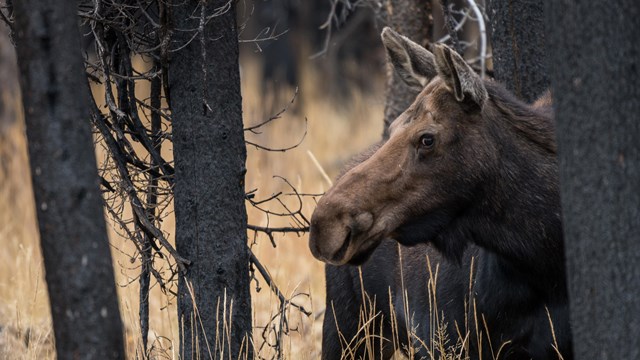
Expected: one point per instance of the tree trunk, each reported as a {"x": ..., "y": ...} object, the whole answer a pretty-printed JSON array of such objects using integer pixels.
[
  {"x": 79, "y": 272},
  {"x": 518, "y": 43},
  {"x": 411, "y": 18},
  {"x": 594, "y": 61},
  {"x": 210, "y": 156}
]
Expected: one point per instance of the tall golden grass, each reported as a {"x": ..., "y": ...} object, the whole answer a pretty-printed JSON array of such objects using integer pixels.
[{"x": 334, "y": 133}]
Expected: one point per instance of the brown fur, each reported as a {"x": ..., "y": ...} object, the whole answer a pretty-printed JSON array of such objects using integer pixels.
[{"x": 467, "y": 164}]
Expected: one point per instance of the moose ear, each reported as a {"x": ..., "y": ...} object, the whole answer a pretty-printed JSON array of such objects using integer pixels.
[
  {"x": 459, "y": 76},
  {"x": 415, "y": 64}
]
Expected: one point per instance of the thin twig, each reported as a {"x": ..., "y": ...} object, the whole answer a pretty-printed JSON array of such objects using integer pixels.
[
  {"x": 284, "y": 149},
  {"x": 254, "y": 128},
  {"x": 269, "y": 231}
]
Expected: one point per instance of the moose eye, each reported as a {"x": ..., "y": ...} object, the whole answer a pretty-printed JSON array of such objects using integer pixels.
[{"x": 427, "y": 141}]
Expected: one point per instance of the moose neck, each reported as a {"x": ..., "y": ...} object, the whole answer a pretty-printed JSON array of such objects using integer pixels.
[{"x": 517, "y": 216}]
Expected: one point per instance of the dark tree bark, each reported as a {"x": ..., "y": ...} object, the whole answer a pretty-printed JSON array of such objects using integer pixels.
[
  {"x": 210, "y": 156},
  {"x": 594, "y": 62},
  {"x": 411, "y": 18},
  {"x": 518, "y": 43},
  {"x": 79, "y": 272}
]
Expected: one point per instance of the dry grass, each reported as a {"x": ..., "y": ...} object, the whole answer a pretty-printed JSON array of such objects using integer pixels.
[
  {"x": 25, "y": 329},
  {"x": 334, "y": 133}
]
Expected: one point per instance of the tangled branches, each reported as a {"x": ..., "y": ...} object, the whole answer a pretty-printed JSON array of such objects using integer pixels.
[{"x": 128, "y": 45}]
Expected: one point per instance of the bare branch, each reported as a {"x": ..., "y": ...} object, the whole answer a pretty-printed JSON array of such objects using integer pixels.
[
  {"x": 254, "y": 128},
  {"x": 136, "y": 204},
  {"x": 262, "y": 147}
]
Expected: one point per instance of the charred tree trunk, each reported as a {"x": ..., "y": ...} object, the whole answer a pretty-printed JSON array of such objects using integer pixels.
[
  {"x": 411, "y": 18},
  {"x": 210, "y": 156},
  {"x": 594, "y": 61},
  {"x": 79, "y": 272},
  {"x": 518, "y": 42}
]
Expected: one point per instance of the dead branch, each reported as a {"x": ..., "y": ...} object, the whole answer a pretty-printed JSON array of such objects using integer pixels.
[
  {"x": 284, "y": 149},
  {"x": 130, "y": 189},
  {"x": 254, "y": 128}
]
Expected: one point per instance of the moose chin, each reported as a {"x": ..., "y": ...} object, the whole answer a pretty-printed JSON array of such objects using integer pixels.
[{"x": 468, "y": 179}]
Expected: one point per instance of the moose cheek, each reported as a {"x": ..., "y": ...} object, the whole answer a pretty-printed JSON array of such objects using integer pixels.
[
  {"x": 425, "y": 153},
  {"x": 422, "y": 229}
]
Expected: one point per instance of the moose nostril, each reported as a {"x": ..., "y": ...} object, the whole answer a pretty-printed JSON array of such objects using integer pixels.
[
  {"x": 363, "y": 221},
  {"x": 339, "y": 255}
]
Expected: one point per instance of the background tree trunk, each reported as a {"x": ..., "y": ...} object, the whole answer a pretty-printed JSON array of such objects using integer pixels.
[
  {"x": 594, "y": 62},
  {"x": 8, "y": 79},
  {"x": 79, "y": 273},
  {"x": 518, "y": 42},
  {"x": 413, "y": 19},
  {"x": 210, "y": 156}
]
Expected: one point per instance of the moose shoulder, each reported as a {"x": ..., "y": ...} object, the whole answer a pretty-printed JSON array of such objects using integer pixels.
[{"x": 468, "y": 175}]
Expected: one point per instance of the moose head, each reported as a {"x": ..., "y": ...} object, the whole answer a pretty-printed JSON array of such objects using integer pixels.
[{"x": 416, "y": 183}]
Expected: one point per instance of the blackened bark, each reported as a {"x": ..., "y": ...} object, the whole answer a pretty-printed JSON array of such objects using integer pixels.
[
  {"x": 411, "y": 18},
  {"x": 594, "y": 70},
  {"x": 79, "y": 272},
  {"x": 210, "y": 156},
  {"x": 518, "y": 46}
]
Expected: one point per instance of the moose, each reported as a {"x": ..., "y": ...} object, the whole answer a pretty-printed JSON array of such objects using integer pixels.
[{"x": 468, "y": 180}]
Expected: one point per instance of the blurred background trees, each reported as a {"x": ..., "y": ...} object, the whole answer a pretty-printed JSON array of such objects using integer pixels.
[{"x": 519, "y": 47}]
